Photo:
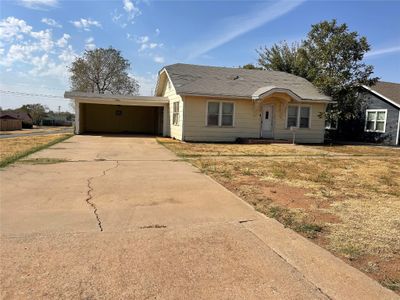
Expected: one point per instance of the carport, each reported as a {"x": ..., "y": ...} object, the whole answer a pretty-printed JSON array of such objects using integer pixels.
[{"x": 101, "y": 113}]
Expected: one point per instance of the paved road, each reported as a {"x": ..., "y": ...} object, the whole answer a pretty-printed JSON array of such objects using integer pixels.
[{"x": 125, "y": 218}]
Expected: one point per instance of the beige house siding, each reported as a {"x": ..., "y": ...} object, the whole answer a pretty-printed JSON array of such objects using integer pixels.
[
  {"x": 247, "y": 121},
  {"x": 176, "y": 131},
  {"x": 314, "y": 134}
]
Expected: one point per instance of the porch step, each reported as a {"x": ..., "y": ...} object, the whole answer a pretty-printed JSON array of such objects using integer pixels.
[{"x": 261, "y": 141}]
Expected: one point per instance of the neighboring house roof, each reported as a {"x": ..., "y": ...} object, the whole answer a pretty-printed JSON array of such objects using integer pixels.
[
  {"x": 19, "y": 114},
  {"x": 389, "y": 91},
  {"x": 5, "y": 115},
  {"x": 239, "y": 83}
]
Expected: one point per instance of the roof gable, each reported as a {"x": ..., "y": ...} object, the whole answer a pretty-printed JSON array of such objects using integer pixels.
[{"x": 388, "y": 91}]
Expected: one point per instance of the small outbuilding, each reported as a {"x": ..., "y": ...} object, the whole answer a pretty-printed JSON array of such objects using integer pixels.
[{"x": 8, "y": 122}]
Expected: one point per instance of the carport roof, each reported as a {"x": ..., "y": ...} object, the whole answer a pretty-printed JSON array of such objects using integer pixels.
[{"x": 116, "y": 99}]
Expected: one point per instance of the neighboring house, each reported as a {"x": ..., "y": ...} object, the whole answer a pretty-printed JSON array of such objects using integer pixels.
[
  {"x": 9, "y": 122},
  {"x": 382, "y": 113},
  {"x": 377, "y": 122},
  {"x": 25, "y": 117},
  {"x": 215, "y": 104}
]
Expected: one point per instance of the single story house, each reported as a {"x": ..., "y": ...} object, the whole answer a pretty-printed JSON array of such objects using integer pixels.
[
  {"x": 26, "y": 118},
  {"x": 9, "y": 122},
  {"x": 382, "y": 113},
  {"x": 213, "y": 104}
]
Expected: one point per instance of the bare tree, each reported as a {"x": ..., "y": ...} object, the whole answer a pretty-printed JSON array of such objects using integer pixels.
[{"x": 103, "y": 71}]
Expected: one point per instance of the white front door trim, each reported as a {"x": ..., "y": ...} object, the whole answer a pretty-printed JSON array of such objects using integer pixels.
[{"x": 267, "y": 121}]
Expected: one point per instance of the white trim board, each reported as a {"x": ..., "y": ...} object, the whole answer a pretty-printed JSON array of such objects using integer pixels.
[{"x": 376, "y": 119}]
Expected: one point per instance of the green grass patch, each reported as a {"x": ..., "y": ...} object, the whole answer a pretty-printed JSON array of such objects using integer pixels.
[
  {"x": 11, "y": 159},
  {"x": 309, "y": 229},
  {"x": 392, "y": 284},
  {"x": 294, "y": 221}
]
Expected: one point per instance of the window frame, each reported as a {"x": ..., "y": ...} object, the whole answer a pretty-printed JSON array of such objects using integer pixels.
[
  {"x": 175, "y": 114},
  {"x": 328, "y": 124},
  {"x": 298, "y": 115},
  {"x": 376, "y": 119},
  {"x": 220, "y": 102}
]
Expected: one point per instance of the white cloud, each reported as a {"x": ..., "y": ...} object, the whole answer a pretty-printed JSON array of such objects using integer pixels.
[
  {"x": 383, "y": 51},
  {"x": 13, "y": 28},
  {"x": 86, "y": 24},
  {"x": 143, "y": 39},
  {"x": 63, "y": 41},
  {"x": 35, "y": 53},
  {"x": 236, "y": 26},
  {"x": 131, "y": 9},
  {"x": 38, "y": 4},
  {"x": 144, "y": 42},
  {"x": 51, "y": 22},
  {"x": 45, "y": 39},
  {"x": 89, "y": 43},
  {"x": 159, "y": 59},
  {"x": 157, "y": 31}
]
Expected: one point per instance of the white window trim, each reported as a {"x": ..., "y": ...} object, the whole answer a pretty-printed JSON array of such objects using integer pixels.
[
  {"x": 220, "y": 114},
  {"x": 329, "y": 127},
  {"x": 298, "y": 116},
  {"x": 376, "y": 111},
  {"x": 173, "y": 113}
]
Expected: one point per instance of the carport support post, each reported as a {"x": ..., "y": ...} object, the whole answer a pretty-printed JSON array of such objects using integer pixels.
[
  {"x": 77, "y": 117},
  {"x": 166, "y": 120}
]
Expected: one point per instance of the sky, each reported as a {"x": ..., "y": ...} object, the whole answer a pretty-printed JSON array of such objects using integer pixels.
[{"x": 40, "y": 38}]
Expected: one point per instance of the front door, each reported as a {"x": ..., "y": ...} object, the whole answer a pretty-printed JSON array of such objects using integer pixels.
[{"x": 266, "y": 119}]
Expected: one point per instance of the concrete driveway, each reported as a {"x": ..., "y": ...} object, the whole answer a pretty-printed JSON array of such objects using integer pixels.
[{"x": 126, "y": 218}]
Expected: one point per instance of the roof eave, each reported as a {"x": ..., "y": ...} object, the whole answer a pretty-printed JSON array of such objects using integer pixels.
[{"x": 381, "y": 96}]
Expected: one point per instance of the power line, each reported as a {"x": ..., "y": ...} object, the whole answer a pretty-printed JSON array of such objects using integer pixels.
[{"x": 30, "y": 94}]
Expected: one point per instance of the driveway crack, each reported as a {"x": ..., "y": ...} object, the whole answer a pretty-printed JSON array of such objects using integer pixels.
[{"x": 89, "y": 198}]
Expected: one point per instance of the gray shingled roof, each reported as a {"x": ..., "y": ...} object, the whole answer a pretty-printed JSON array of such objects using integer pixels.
[
  {"x": 390, "y": 90},
  {"x": 236, "y": 82}
]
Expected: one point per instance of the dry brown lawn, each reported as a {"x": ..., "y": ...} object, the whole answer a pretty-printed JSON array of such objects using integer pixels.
[
  {"x": 13, "y": 147},
  {"x": 344, "y": 198}
]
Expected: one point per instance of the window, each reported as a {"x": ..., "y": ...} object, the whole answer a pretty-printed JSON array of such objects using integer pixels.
[
  {"x": 220, "y": 113},
  {"x": 331, "y": 117},
  {"x": 298, "y": 116},
  {"x": 175, "y": 113},
  {"x": 331, "y": 123},
  {"x": 375, "y": 120},
  {"x": 213, "y": 114},
  {"x": 292, "y": 116},
  {"x": 304, "y": 117}
]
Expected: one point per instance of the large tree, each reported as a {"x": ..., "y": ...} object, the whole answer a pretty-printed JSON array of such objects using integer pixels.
[
  {"x": 103, "y": 71},
  {"x": 37, "y": 111},
  {"x": 331, "y": 57}
]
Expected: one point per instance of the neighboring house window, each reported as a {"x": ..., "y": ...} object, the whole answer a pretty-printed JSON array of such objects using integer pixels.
[
  {"x": 332, "y": 118},
  {"x": 220, "y": 113},
  {"x": 375, "y": 120},
  {"x": 331, "y": 123},
  {"x": 175, "y": 113},
  {"x": 298, "y": 116}
]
